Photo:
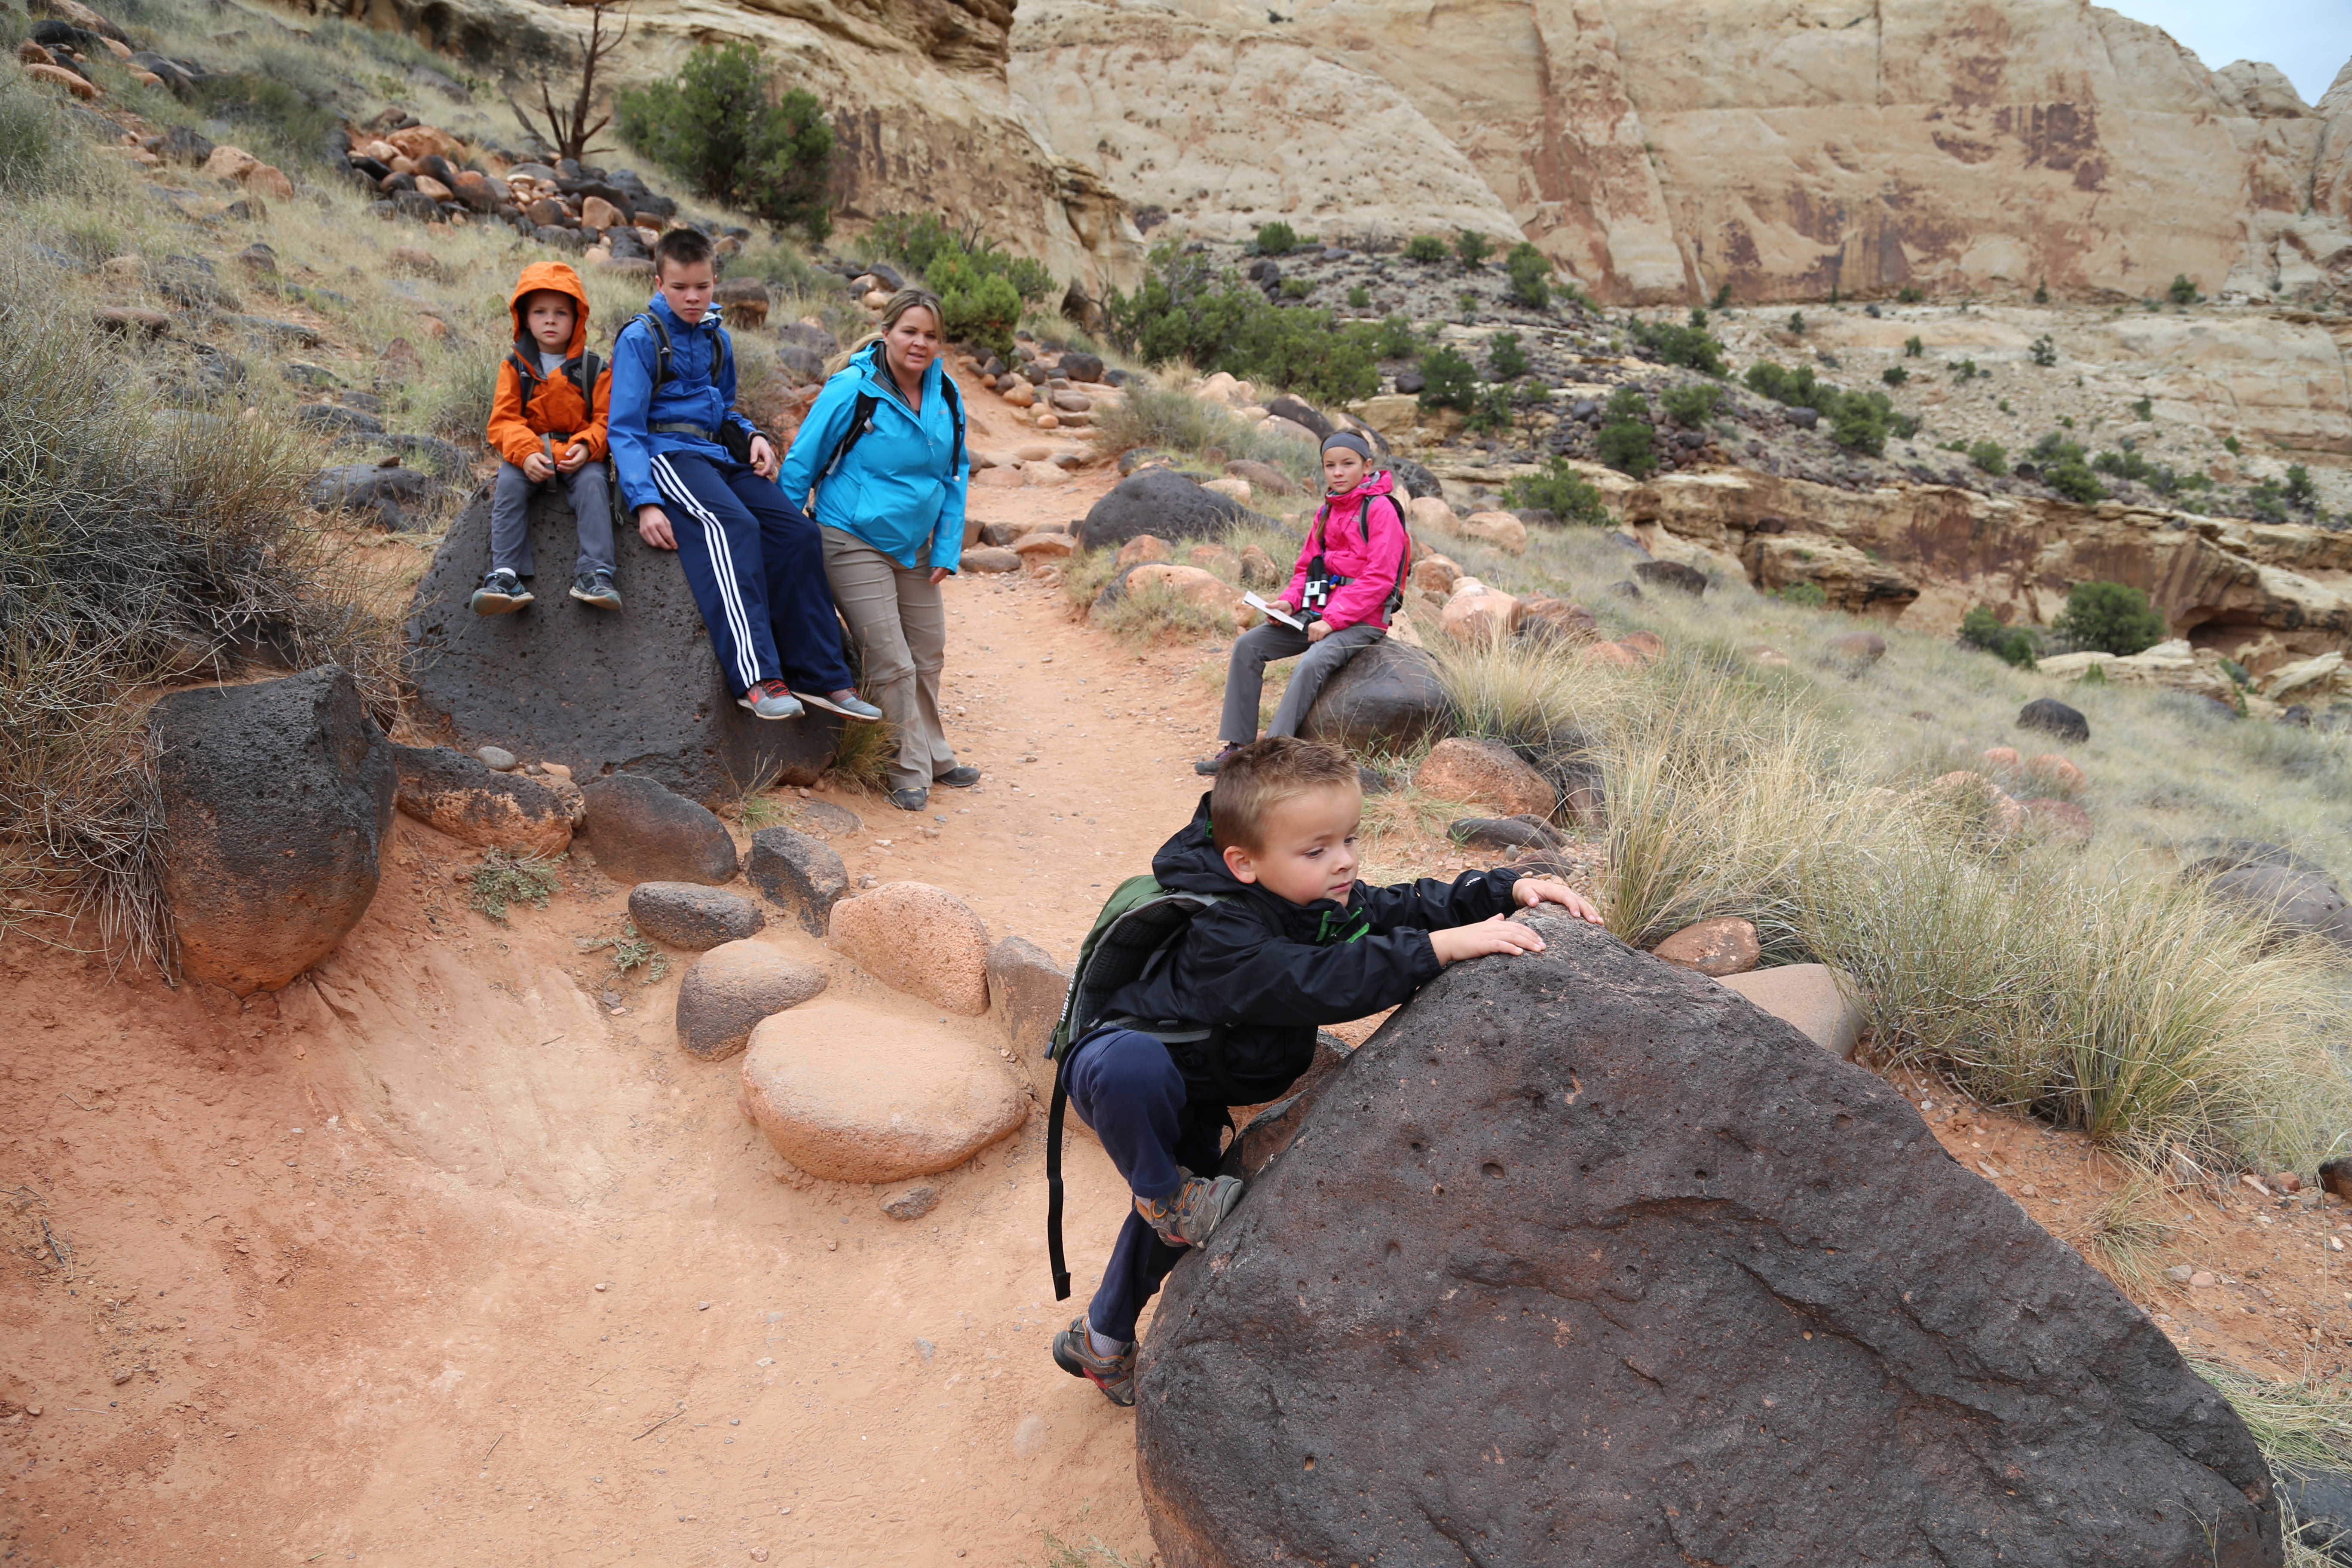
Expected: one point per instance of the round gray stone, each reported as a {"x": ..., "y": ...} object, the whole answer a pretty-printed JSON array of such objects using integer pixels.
[{"x": 690, "y": 916}]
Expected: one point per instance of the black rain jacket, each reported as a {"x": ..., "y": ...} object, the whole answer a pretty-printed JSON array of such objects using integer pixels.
[{"x": 1271, "y": 972}]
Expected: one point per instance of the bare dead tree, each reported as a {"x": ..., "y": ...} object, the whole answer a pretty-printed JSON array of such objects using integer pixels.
[{"x": 568, "y": 129}]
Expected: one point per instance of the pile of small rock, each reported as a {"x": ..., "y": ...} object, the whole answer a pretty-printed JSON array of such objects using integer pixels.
[
  {"x": 1061, "y": 389},
  {"x": 421, "y": 171}
]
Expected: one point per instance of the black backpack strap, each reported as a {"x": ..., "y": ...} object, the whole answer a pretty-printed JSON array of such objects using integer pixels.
[
  {"x": 1053, "y": 1256},
  {"x": 581, "y": 373},
  {"x": 861, "y": 420},
  {"x": 661, "y": 345},
  {"x": 955, "y": 416},
  {"x": 527, "y": 373}
]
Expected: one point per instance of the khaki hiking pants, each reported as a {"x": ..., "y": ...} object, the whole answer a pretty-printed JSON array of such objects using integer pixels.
[{"x": 901, "y": 628}]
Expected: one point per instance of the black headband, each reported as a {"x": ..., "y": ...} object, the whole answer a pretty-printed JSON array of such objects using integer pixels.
[{"x": 1350, "y": 439}]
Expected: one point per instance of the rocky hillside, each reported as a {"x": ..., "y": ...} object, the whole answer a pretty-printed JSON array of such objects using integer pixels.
[
  {"x": 924, "y": 118},
  {"x": 1663, "y": 149}
]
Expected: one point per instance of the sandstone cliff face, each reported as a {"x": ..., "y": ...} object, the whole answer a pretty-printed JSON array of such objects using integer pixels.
[
  {"x": 920, "y": 108},
  {"x": 1660, "y": 149}
]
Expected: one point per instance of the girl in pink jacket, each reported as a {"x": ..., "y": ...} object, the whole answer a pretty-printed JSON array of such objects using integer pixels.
[{"x": 1348, "y": 572}]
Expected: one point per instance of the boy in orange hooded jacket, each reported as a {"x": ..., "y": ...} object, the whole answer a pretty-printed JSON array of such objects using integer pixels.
[{"x": 546, "y": 422}]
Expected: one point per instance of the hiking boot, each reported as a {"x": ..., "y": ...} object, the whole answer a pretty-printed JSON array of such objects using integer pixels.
[
  {"x": 1186, "y": 1216},
  {"x": 1074, "y": 1352},
  {"x": 596, "y": 588},
  {"x": 500, "y": 592},
  {"x": 911, "y": 798},
  {"x": 845, "y": 702},
  {"x": 770, "y": 699},
  {"x": 963, "y": 776},
  {"x": 1207, "y": 766}
]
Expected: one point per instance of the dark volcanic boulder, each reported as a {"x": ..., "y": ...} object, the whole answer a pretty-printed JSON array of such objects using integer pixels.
[
  {"x": 1386, "y": 698},
  {"x": 800, "y": 875},
  {"x": 690, "y": 916},
  {"x": 384, "y": 492},
  {"x": 1583, "y": 1260},
  {"x": 465, "y": 798},
  {"x": 276, "y": 798},
  {"x": 2053, "y": 717},
  {"x": 593, "y": 691},
  {"x": 640, "y": 832},
  {"x": 1672, "y": 575},
  {"x": 1161, "y": 502}
]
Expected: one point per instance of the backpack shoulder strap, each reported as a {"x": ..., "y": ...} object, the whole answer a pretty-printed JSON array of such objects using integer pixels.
[
  {"x": 661, "y": 345},
  {"x": 861, "y": 420},
  {"x": 955, "y": 417},
  {"x": 527, "y": 373},
  {"x": 582, "y": 373}
]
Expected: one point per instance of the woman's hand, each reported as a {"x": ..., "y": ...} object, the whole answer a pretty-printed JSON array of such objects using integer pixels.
[
  {"x": 1529, "y": 891},
  {"x": 1495, "y": 935},
  {"x": 938, "y": 576},
  {"x": 1318, "y": 630}
]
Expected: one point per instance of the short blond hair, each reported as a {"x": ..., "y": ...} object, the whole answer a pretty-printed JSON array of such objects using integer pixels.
[{"x": 1264, "y": 773}]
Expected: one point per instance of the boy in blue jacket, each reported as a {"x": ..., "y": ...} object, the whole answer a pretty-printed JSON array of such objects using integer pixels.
[
  {"x": 700, "y": 480},
  {"x": 1292, "y": 942}
]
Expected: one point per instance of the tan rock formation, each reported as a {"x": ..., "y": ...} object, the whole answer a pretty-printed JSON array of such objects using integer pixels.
[
  {"x": 1659, "y": 149},
  {"x": 2267, "y": 592}
]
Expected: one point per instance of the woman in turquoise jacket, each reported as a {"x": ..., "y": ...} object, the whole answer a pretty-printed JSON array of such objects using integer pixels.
[{"x": 884, "y": 450}]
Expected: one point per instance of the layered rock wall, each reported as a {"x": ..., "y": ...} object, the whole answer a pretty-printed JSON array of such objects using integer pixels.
[{"x": 1660, "y": 149}]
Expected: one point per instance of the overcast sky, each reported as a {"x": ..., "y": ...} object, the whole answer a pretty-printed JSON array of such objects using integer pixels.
[{"x": 2308, "y": 40}]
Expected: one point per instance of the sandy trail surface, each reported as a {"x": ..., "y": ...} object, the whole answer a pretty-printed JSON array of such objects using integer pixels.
[{"x": 438, "y": 1258}]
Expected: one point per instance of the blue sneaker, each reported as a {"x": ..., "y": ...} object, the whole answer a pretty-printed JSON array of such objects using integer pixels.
[{"x": 501, "y": 592}]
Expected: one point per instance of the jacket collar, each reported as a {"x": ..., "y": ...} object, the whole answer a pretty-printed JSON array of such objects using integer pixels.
[
  {"x": 1190, "y": 863},
  {"x": 878, "y": 375}
]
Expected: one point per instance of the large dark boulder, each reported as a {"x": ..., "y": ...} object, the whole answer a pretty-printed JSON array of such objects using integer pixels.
[
  {"x": 640, "y": 832},
  {"x": 593, "y": 691},
  {"x": 276, "y": 798},
  {"x": 2053, "y": 717},
  {"x": 1584, "y": 1259},
  {"x": 1161, "y": 502},
  {"x": 1388, "y": 697}
]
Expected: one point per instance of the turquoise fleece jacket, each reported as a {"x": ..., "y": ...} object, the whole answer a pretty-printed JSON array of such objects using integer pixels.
[{"x": 901, "y": 488}]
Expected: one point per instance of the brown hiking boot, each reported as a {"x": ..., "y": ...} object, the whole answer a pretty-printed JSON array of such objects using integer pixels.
[
  {"x": 1186, "y": 1216},
  {"x": 1074, "y": 1352}
]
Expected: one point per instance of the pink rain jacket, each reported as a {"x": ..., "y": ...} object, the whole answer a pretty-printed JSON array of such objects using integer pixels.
[{"x": 1338, "y": 535}]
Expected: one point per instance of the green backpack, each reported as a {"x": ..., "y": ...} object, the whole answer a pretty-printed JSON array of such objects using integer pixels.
[{"x": 1138, "y": 920}]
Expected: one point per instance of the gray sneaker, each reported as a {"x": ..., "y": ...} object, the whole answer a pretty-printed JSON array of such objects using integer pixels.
[
  {"x": 771, "y": 700},
  {"x": 1186, "y": 1216},
  {"x": 596, "y": 588},
  {"x": 845, "y": 702}
]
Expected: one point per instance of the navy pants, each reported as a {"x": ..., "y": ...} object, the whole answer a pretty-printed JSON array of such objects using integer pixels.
[
  {"x": 1126, "y": 1086},
  {"x": 757, "y": 568}
]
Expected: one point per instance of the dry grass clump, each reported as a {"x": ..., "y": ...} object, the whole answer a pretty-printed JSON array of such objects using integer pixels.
[
  {"x": 2095, "y": 993},
  {"x": 136, "y": 544},
  {"x": 1167, "y": 419},
  {"x": 1139, "y": 616}
]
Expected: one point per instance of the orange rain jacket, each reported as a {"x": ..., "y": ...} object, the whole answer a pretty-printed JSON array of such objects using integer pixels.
[{"x": 527, "y": 406}]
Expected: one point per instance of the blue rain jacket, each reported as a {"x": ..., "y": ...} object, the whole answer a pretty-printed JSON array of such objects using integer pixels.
[
  {"x": 900, "y": 488},
  {"x": 688, "y": 397}
]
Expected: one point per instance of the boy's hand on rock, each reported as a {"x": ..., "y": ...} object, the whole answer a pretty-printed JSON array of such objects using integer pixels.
[
  {"x": 1529, "y": 891},
  {"x": 653, "y": 527},
  {"x": 1497, "y": 934},
  {"x": 574, "y": 459},
  {"x": 536, "y": 468}
]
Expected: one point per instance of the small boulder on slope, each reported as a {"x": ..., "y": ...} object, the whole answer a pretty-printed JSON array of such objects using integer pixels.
[
  {"x": 1583, "y": 1258},
  {"x": 1163, "y": 502},
  {"x": 914, "y": 938},
  {"x": 640, "y": 832},
  {"x": 730, "y": 989},
  {"x": 276, "y": 798},
  {"x": 466, "y": 798}
]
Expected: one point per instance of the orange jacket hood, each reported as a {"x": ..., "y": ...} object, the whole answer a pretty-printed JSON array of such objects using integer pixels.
[
  {"x": 555, "y": 277},
  {"x": 519, "y": 425}
]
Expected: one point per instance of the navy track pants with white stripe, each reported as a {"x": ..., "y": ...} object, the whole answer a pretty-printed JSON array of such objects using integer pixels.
[{"x": 756, "y": 564}]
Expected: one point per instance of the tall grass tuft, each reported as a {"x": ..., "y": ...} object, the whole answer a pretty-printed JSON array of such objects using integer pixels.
[
  {"x": 34, "y": 155},
  {"x": 1170, "y": 420}
]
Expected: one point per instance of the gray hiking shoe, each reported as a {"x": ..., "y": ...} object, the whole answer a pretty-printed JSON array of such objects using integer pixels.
[
  {"x": 596, "y": 588},
  {"x": 1186, "y": 1216},
  {"x": 845, "y": 702},
  {"x": 1074, "y": 1352}
]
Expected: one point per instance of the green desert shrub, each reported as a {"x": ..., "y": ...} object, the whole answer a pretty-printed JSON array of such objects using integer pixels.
[
  {"x": 2109, "y": 617},
  {"x": 1989, "y": 457},
  {"x": 1185, "y": 308},
  {"x": 2011, "y": 645},
  {"x": 1448, "y": 380},
  {"x": 719, "y": 126},
  {"x": 1506, "y": 359},
  {"x": 1626, "y": 442},
  {"x": 1692, "y": 405},
  {"x": 1530, "y": 270},
  {"x": 1472, "y": 248},
  {"x": 1276, "y": 238},
  {"x": 1560, "y": 490},
  {"x": 1690, "y": 347},
  {"x": 1425, "y": 248}
]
